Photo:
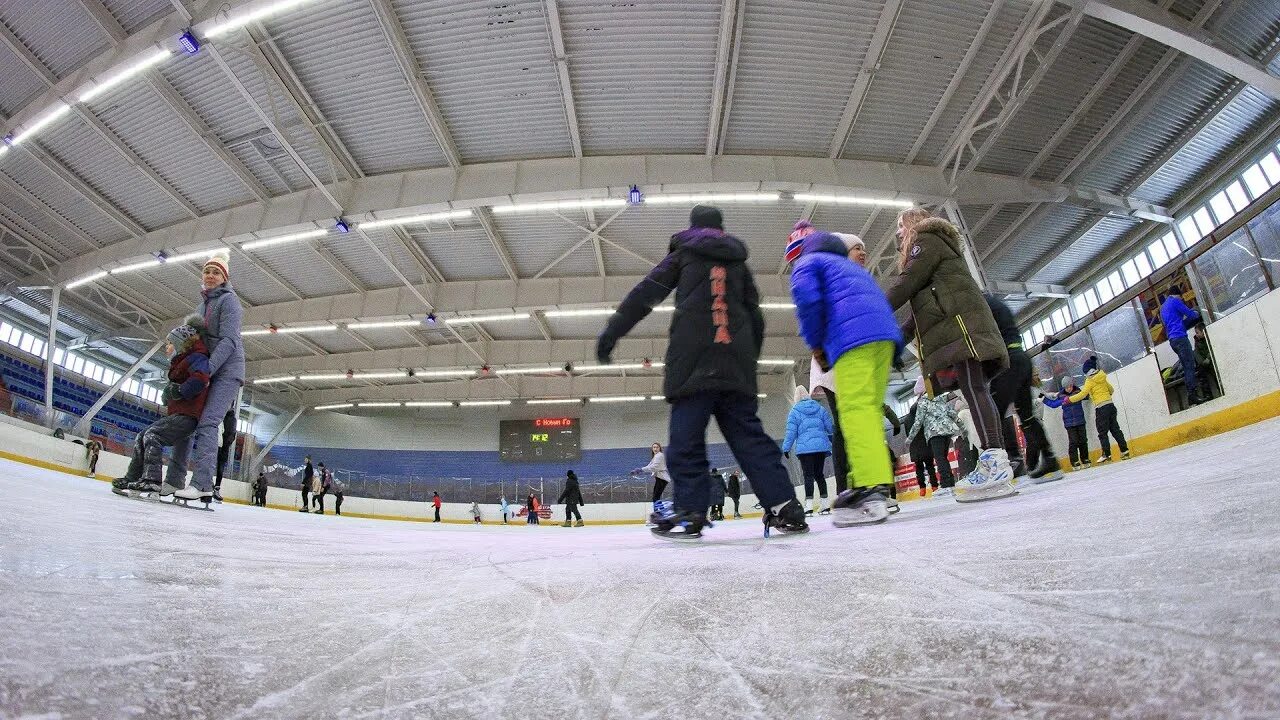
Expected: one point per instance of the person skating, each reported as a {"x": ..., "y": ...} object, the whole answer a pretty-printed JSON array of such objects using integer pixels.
[
  {"x": 91, "y": 450},
  {"x": 319, "y": 483},
  {"x": 260, "y": 489},
  {"x": 919, "y": 452},
  {"x": 475, "y": 512},
  {"x": 222, "y": 314},
  {"x": 339, "y": 492},
  {"x": 658, "y": 468},
  {"x": 936, "y": 421},
  {"x": 710, "y": 371},
  {"x": 734, "y": 493},
  {"x": 1013, "y": 387},
  {"x": 1105, "y": 415},
  {"x": 227, "y": 443},
  {"x": 184, "y": 397},
  {"x": 308, "y": 472},
  {"x": 956, "y": 336},
  {"x": 531, "y": 504},
  {"x": 436, "y": 502},
  {"x": 1074, "y": 423},
  {"x": 1177, "y": 318},
  {"x": 718, "y": 491},
  {"x": 843, "y": 314},
  {"x": 809, "y": 430},
  {"x": 571, "y": 498},
  {"x": 506, "y": 509}
]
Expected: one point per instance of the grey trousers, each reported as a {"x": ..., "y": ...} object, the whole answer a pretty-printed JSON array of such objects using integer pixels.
[
  {"x": 222, "y": 399},
  {"x": 148, "y": 450}
]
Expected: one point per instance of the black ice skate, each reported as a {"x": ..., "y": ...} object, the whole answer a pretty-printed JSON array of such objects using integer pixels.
[
  {"x": 683, "y": 527},
  {"x": 860, "y": 506},
  {"x": 790, "y": 519},
  {"x": 1046, "y": 471},
  {"x": 120, "y": 486}
]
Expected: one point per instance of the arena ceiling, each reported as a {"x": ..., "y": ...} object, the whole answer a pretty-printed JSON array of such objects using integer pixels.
[{"x": 457, "y": 141}]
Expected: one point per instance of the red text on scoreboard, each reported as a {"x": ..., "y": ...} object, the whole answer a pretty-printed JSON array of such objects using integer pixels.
[{"x": 553, "y": 422}]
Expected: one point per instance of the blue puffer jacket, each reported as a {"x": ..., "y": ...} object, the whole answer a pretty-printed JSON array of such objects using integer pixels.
[
  {"x": 809, "y": 428},
  {"x": 838, "y": 303},
  {"x": 1072, "y": 413}
]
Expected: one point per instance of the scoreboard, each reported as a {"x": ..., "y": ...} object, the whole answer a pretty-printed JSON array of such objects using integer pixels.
[{"x": 549, "y": 439}]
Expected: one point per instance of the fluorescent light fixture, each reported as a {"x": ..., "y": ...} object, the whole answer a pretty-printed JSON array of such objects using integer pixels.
[
  {"x": 851, "y": 200},
  {"x": 772, "y": 361},
  {"x": 263, "y": 10},
  {"x": 777, "y": 306},
  {"x": 58, "y": 111},
  {"x": 383, "y": 324},
  {"x": 761, "y": 395},
  {"x": 665, "y": 308},
  {"x": 529, "y": 370},
  {"x": 387, "y": 375},
  {"x": 483, "y": 403},
  {"x": 86, "y": 280},
  {"x": 197, "y": 255},
  {"x": 305, "y": 329},
  {"x": 415, "y": 219},
  {"x": 338, "y": 406},
  {"x": 378, "y": 404},
  {"x": 323, "y": 376},
  {"x": 443, "y": 373},
  {"x": 268, "y": 242},
  {"x": 552, "y": 401},
  {"x": 553, "y": 205},
  {"x": 276, "y": 379},
  {"x": 429, "y": 403},
  {"x": 101, "y": 86},
  {"x": 254, "y": 332},
  {"x": 136, "y": 266},
  {"x": 618, "y": 398},
  {"x": 584, "y": 312},
  {"x": 696, "y": 198},
  {"x": 619, "y": 366},
  {"x": 487, "y": 318}
]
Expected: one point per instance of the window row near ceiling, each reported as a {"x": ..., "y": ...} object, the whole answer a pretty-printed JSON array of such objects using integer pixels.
[
  {"x": 1255, "y": 181},
  {"x": 72, "y": 362}
]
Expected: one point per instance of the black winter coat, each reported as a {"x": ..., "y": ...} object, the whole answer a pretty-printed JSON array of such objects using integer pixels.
[
  {"x": 919, "y": 447},
  {"x": 572, "y": 494},
  {"x": 717, "y": 489},
  {"x": 1004, "y": 320},
  {"x": 717, "y": 327},
  {"x": 735, "y": 486}
]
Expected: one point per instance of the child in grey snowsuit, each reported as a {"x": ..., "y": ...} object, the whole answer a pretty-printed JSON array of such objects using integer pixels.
[{"x": 937, "y": 420}]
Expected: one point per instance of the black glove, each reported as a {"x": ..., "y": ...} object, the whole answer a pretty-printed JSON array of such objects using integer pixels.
[
  {"x": 898, "y": 365},
  {"x": 604, "y": 349},
  {"x": 787, "y": 454}
]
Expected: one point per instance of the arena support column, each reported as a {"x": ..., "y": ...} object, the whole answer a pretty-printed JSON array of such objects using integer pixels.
[{"x": 55, "y": 296}]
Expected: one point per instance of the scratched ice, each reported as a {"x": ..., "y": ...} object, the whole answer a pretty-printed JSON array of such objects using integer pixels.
[{"x": 1149, "y": 588}]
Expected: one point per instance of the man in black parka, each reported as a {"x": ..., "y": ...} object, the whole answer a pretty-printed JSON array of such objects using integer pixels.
[{"x": 716, "y": 333}]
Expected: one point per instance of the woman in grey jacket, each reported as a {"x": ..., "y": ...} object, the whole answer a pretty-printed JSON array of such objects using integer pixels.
[{"x": 222, "y": 315}]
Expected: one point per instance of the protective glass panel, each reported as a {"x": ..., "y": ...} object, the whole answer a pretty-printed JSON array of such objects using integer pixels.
[
  {"x": 1064, "y": 359},
  {"x": 1118, "y": 338},
  {"x": 1232, "y": 273},
  {"x": 1265, "y": 229}
]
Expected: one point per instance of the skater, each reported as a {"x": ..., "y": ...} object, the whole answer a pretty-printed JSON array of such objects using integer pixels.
[
  {"x": 308, "y": 473},
  {"x": 710, "y": 371},
  {"x": 1074, "y": 422},
  {"x": 339, "y": 492},
  {"x": 319, "y": 485},
  {"x": 1098, "y": 389},
  {"x": 919, "y": 452},
  {"x": 506, "y": 509},
  {"x": 956, "y": 336},
  {"x": 718, "y": 491},
  {"x": 91, "y": 451},
  {"x": 260, "y": 489},
  {"x": 531, "y": 504},
  {"x": 658, "y": 468},
  {"x": 846, "y": 319},
  {"x": 1177, "y": 317},
  {"x": 475, "y": 512},
  {"x": 184, "y": 397},
  {"x": 228, "y": 443},
  {"x": 436, "y": 502},
  {"x": 1013, "y": 387},
  {"x": 222, "y": 313},
  {"x": 809, "y": 430},
  {"x": 937, "y": 423},
  {"x": 571, "y": 498}
]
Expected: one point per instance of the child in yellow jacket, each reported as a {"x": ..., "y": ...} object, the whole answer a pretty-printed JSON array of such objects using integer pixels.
[{"x": 1098, "y": 389}]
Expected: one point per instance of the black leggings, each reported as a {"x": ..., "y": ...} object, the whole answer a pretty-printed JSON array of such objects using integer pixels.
[
  {"x": 839, "y": 457},
  {"x": 1105, "y": 418},
  {"x": 1013, "y": 387},
  {"x": 975, "y": 388},
  {"x": 735, "y": 505},
  {"x": 1078, "y": 444},
  {"x": 659, "y": 487},
  {"x": 941, "y": 464},
  {"x": 811, "y": 464},
  {"x": 924, "y": 473}
]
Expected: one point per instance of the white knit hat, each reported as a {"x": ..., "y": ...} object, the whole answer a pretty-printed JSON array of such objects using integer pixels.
[
  {"x": 220, "y": 259},
  {"x": 851, "y": 241},
  {"x": 800, "y": 394}
]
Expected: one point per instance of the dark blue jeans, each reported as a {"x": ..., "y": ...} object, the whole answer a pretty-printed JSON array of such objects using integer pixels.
[
  {"x": 757, "y": 453},
  {"x": 1187, "y": 355}
]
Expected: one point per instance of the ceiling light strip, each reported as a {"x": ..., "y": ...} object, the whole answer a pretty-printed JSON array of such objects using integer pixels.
[
  {"x": 414, "y": 219},
  {"x": 708, "y": 198},
  {"x": 293, "y": 237},
  {"x": 553, "y": 205},
  {"x": 154, "y": 58},
  {"x": 337, "y": 406},
  {"x": 259, "y": 12},
  {"x": 833, "y": 199}
]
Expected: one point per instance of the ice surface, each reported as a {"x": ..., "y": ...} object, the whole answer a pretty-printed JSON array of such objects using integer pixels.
[{"x": 1148, "y": 588}]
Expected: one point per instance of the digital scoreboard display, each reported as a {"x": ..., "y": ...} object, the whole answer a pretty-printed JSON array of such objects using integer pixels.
[{"x": 551, "y": 439}]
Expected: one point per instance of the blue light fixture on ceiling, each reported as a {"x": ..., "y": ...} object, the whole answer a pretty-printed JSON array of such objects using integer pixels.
[
  {"x": 341, "y": 226},
  {"x": 188, "y": 42},
  {"x": 634, "y": 196}
]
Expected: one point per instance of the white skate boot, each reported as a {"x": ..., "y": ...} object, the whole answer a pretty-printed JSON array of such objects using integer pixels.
[{"x": 992, "y": 479}]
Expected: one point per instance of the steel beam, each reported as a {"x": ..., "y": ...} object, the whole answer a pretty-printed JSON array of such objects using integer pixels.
[
  {"x": 726, "y": 65},
  {"x": 256, "y": 464},
  {"x": 862, "y": 81},
  {"x": 52, "y": 339},
  {"x": 82, "y": 427},
  {"x": 551, "y": 11}
]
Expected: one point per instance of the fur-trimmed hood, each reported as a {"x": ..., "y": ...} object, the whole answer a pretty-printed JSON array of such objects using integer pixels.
[{"x": 949, "y": 233}]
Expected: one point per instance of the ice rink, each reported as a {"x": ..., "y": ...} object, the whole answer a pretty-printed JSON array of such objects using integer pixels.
[{"x": 1149, "y": 588}]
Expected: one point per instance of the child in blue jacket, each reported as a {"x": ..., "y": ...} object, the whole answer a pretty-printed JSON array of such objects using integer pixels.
[
  {"x": 809, "y": 430},
  {"x": 845, "y": 315}
]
